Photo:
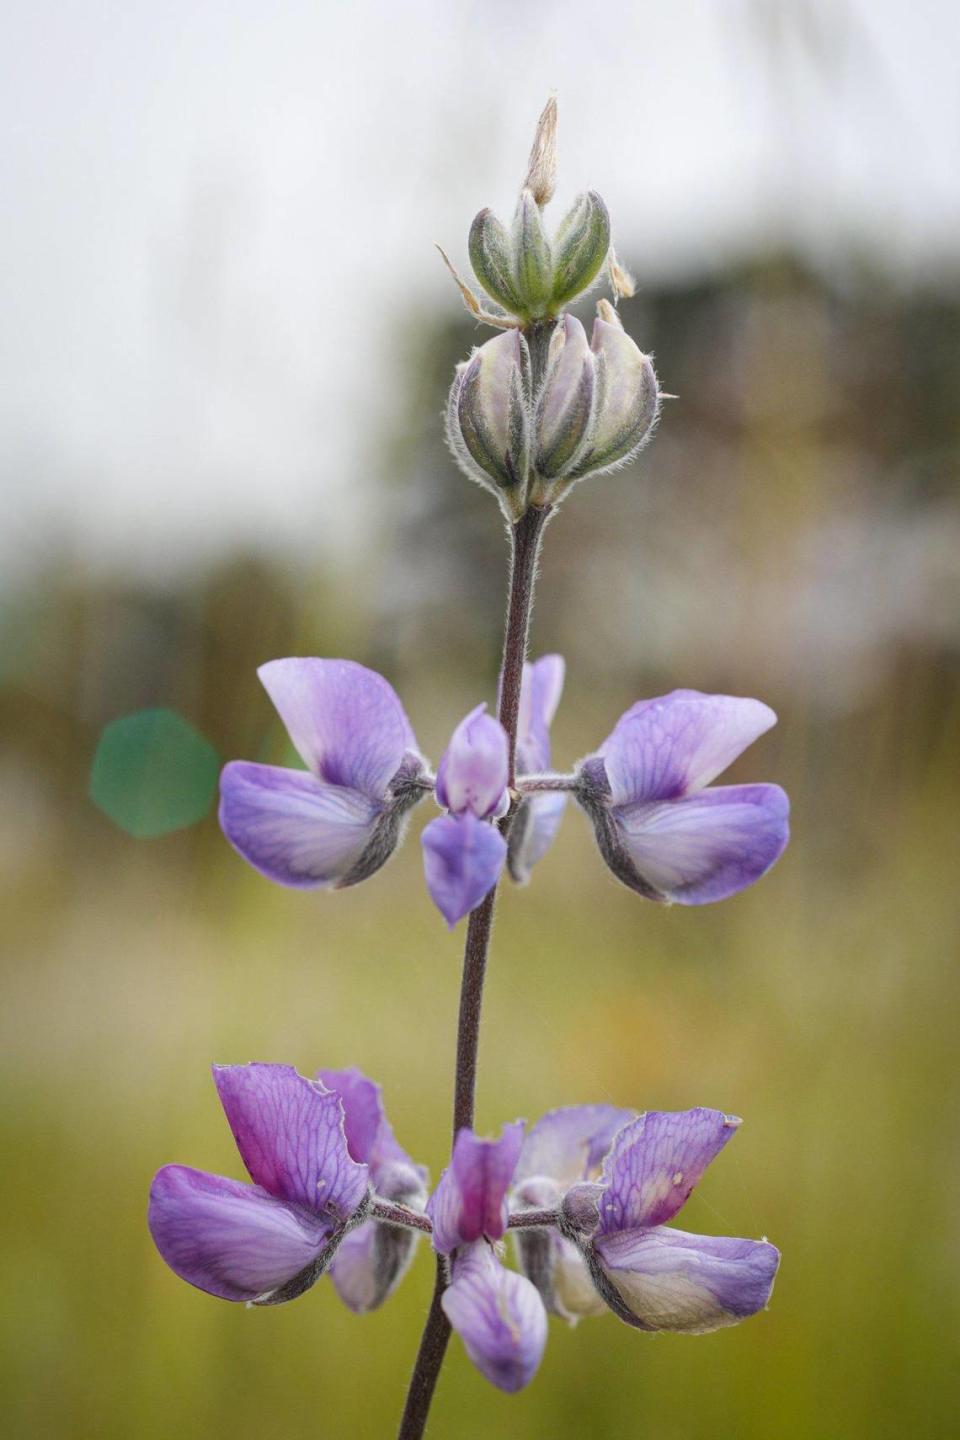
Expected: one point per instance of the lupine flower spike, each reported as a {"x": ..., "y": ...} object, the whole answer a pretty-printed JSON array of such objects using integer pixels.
[{"x": 589, "y": 1192}]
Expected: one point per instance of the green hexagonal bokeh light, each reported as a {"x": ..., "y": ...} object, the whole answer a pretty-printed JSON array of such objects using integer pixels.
[{"x": 153, "y": 773}]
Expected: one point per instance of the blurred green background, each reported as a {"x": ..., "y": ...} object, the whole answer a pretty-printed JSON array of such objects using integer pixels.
[{"x": 792, "y": 533}]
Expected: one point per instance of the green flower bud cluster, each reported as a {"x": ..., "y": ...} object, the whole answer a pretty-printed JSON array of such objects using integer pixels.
[{"x": 525, "y": 272}]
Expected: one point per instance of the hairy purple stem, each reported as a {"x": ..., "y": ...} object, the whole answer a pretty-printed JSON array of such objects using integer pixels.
[{"x": 525, "y": 538}]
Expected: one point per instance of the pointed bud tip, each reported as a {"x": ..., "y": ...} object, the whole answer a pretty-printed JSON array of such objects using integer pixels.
[
  {"x": 607, "y": 313},
  {"x": 622, "y": 283},
  {"x": 541, "y": 176}
]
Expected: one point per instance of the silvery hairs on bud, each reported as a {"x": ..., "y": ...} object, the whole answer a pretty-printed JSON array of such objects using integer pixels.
[{"x": 541, "y": 176}]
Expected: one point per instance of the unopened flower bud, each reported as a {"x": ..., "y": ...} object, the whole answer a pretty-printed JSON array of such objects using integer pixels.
[
  {"x": 491, "y": 255},
  {"x": 566, "y": 401},
  {"x": 488, "y": 422},
  {"x": 534, "y": 266},
  {"x": 580, "y": 247},
  {"x": 627, "y": 399}
]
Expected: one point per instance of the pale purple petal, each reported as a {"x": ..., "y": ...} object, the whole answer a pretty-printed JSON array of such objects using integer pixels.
[
  {"x": 662, "y": 749},
  {"x": 569, "y": 1144},
  {"x": 473, "y": 774},
  {"x": 352, "y": 1270},
  {"x": 470, "y": 1200},
  {"x": 710, "y": 845},
  {"x": 370, "y": 1137},
  {"x": 499, "y": 1317},
  {"x": 462, "y": 861},
  {"x": 345, "y": 720},
  {"x": 655, "y": 1162},
  {"x": 289, "y": 1132},
  {"x": 575, "y": 1295},
  {"x": 371, "y": 1261},
  {"x": 533, "y": 831},
  {"x": 539, "y": 697},
  {"x": 230, "y": 1239},
  {"x": 292, "y": 828},
  {"x": 689, "y": 1283}
]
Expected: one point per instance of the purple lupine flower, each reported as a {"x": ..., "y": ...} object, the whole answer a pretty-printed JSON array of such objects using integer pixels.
[
  {"x": 342, "y": 820},
  {"x": 651, "y": 1276},
  {"x": 269, "y": 1241},
  {"x": 373, "y": 1257},
  {"x": 497, "y": 1313},
  {"x": 565, "y": 1147},
  {"x": 659, "y": 829},
  {"x": 463, "y": 851},
  {"x": 538, "y": 817}
]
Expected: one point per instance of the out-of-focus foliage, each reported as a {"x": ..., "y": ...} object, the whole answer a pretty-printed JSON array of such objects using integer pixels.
[{"x": 793, "y": 534}]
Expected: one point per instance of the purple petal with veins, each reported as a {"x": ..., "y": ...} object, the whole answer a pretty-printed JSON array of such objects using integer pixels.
[
  {"x": 291, "y": 827},
  {"x": 675, "y": 745},
  {"x": 499, "y": 1317},
  {"x": 289, "y": 1131},
  {"x": 373, "y": 1258},
  {"x": 370, "y": 1138},
  {"x": 462, "y": 860},
  {"x": 692, "y": 1284},
  {"x": 710, "y": 845},
  {"x": 228, "y": 1238},
  {"x": 569, "y": 1144},
  {"x": 654, "y": 1164},
  {"x": 470, "y": 1200},
  {"x": 346, "y": 721}
]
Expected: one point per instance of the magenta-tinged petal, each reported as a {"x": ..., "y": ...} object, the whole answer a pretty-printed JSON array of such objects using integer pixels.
[
  {"x": 289, "y": 1132},
  {"x": 539, "y": 697},
  {"x": 692, "y": 1284},
  {"x": 370, "y": 1137},
  {"x": 472, "y": 776},
  {"x": 292, "y": 828},
  {"x": 662, "y": 749},
  {"x": 345, "y": 720},
  {"x": 470, "y": 1200},
  {"x": 230, "y": 1239},
  {"x": 499, "y": 1317},
  {"x": 710, "y": 845},
  {"x": 569, "y": 1144},
  {"x": 655, "y": 1162},
  {"x": 462, "y": 861}
]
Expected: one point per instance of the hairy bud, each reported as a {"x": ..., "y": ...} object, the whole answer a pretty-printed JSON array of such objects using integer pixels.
[
  {"x": 491, "y": 255},
  {"x": 627, "y": 398},
  {"x": 580, "y": 247},
  {"x": 565, "y": 406},
  {"x": 532, "y": 260},
  {"x": 488, "y": 417},
  {"x": 595, "y": 409}
]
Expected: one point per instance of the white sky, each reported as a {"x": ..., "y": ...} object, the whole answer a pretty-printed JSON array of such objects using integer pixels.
[{"x": 210, "y": 210}]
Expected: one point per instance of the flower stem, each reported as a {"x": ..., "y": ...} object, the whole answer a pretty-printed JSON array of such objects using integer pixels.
[{"x": 525, "y": 538}]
